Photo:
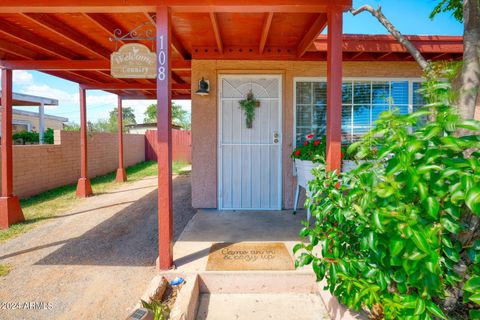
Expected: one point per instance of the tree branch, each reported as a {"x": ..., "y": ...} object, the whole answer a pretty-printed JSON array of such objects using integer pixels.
[{"x": 422, "y": 62}]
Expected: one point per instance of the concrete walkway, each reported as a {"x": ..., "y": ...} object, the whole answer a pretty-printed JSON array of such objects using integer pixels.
[{"x": 93, "y": 262}]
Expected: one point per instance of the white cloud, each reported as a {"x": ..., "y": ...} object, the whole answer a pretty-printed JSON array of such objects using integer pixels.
[
  {"x": 44, "y": 90},
  {"x": 22, "y": 78}
]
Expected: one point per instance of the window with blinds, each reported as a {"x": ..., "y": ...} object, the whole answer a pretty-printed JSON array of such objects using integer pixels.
[{"x": 362, "y": 103}]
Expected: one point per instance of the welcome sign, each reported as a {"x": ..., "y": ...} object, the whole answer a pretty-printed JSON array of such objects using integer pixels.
[{"x": 133, "y": 60}]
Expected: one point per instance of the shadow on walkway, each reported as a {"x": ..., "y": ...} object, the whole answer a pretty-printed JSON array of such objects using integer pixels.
[{"x": 128, "y": 238}]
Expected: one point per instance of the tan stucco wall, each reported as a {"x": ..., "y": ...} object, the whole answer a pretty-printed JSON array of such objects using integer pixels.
[
  {"x": 38, "y": 168},
  {"x": 34, "y": 121},
  {"x": 204, "y": 113}
]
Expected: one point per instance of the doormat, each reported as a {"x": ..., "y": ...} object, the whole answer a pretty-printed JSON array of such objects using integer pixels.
[{"x": 249, "y": 256}]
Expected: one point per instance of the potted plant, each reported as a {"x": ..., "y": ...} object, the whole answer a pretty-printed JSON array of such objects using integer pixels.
[
  {"x": 313, "y": 151},
  {"x": 306, "y": 155}
]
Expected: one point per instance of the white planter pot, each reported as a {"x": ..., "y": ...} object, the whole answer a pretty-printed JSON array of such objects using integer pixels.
[{"x": 304, "y": 172}]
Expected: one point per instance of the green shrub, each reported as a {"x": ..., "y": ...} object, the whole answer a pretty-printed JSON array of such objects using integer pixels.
[
  {"x": 399, "y": 235},
  {"x": 26, "y": 137},
  {"x": 48, "y": 136},
  {"x": 33, "y": 137}
]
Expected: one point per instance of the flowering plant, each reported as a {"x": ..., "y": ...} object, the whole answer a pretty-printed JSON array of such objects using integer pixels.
[
  {"x": 315, "y": 150},
  {"x": 311, "y": 150}
]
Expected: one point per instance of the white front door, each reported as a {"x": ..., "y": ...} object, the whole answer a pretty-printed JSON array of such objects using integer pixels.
[{"x": 250, "y": 166}]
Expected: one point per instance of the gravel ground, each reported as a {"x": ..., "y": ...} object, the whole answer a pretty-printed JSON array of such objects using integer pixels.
[{"x": 92, "y": 262}]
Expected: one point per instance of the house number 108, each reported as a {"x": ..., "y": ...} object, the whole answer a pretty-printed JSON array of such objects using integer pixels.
[{"x": 161, "y": 60}]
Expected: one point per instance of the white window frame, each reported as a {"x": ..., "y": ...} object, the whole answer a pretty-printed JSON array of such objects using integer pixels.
[
  {"x": 410, "y": 80},
  {"x": 23, "y": 122}
]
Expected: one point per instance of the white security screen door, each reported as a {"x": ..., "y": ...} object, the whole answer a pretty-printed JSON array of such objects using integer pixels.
[{"x": 249, "y": 176}]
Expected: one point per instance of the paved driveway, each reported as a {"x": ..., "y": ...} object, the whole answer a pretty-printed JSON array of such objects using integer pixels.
[{"x": 92, "y": 262}]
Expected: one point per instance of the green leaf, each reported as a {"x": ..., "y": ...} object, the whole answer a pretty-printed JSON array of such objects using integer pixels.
[
  {"x": 419, "y": 307},
  {"x": 297, "y": 247},
  {"x": 472, "y": 285},
  {"x": 372, "y": 241},
  {"x": 475, "y": 298},
  {"x": 420, "y": 241},
  {"x": 416, "y": 255},
  {"x": 472, "y": 199},
  {"x": 472, "y": 125},
  {"x": 304, "y": 232},
  {"x": 304, "y": 259},
  {"x": 432, "y": 206},
  {"x": 452, "y": 254},
  {"x": 376, "y": 220},
  {"x": 474, "y": 314},
  {"x": 435, "y": 310},
  {"x": 450, "y": 225},
  {"x": 396, "y": 245}
]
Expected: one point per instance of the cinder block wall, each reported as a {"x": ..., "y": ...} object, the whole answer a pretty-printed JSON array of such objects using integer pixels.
[{"x": 37, "y": 168}]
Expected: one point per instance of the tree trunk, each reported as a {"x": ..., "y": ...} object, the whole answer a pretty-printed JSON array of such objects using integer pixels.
[
  {"x": 470, "y": 79},
  {"x": 417, "y": 55}
]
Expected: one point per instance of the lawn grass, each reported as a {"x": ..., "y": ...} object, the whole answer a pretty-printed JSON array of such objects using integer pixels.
[
  {"x": 5, "y": 269},
  {"x": 52, "y": 202}
]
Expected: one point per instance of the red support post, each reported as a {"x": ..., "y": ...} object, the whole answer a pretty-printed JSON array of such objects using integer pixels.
[
  {"x": 164, "y": 136},
  {"x": 334, "y": 89},
  {"x": 121, "y": 174},
  {"x": 84, "y": 189},
  {"x": 10, "y": 210}
]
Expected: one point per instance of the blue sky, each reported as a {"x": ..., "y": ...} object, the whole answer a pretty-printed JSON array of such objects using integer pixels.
[{"x": 409, "y": 16}]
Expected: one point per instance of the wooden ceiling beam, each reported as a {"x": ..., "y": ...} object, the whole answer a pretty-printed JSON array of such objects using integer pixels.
[
  {"x": 265, "y": 30},
  {"x": 132, "y": 86},
  {"x": 41, "y": 43},
  {"x": 71, "y": 65},
  {"x": 114, "y": 6},
  {"x": 154, "y": 97},
  {"x": 216, "y": 31},
  {"x": 17, "y": 50},
  {"x": 104, "y": 22},
  {"x": 61, "y": 29},
  {"x": 176, "y": 78},
  {"x": 384, "y": 55},
  {"x": 315, "y": 29},
  {"x": 176, "y": 44}
]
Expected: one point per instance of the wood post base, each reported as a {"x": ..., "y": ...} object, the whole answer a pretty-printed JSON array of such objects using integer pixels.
[
  {"x": 10, "y": 211},
  {"x": 84, "y": 188},
  {"x": 121, "y": 175}
]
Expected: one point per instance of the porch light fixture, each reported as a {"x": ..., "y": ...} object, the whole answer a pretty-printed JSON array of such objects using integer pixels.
[{"x": 203, "y": 87}]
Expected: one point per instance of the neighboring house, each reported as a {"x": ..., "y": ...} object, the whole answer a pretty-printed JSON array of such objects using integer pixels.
[
  {"x": 23, "y": 120},
  {"x": 240, "y": 168},
  {"x": 140, "y": 128},
  {"x": 30, "y": 121}
]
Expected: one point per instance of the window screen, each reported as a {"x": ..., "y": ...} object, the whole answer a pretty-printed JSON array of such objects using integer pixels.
[{"x": 362, "y": 103}]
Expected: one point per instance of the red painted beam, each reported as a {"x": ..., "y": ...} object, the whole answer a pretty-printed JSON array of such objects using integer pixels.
[
  {"x": 216, "y": 31},
  {"x": 334, "y": 90},
  {"x": 265, "y": 30},
  {"x": 386, "y": 43},
  {"x": 113, "y": 6},
  {"x": 60, "y": 29},
  {"x": 84, "y": 188},
  {"x": 131, "y": 86},
  {"x": 315, "y": 29},
  {"x": 17, "y": 50},
  {"x": 51, "y": 65},
  {"x": 67, "y": 65},
  {"x": 121, "y": 173},
  {"x": 41, "y": 43},
  {"x": 10, "y": 210},
  {"x": 245, "y": 53},
  {"x": 154, "y": 97},
  {"x": 164, "y": 138}
]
